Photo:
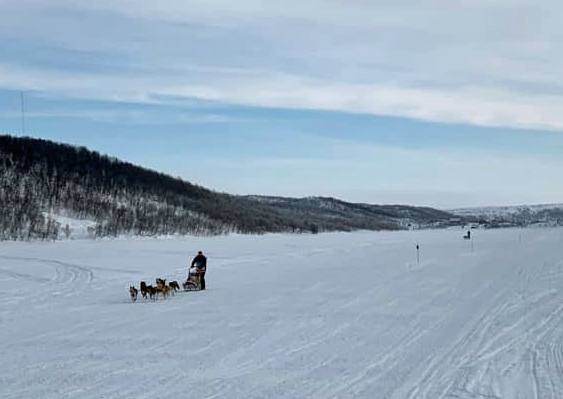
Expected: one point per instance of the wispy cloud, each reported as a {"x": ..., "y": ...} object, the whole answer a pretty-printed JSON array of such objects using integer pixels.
[
  {"x": 492, "y": 63},
  {"x": 471, "y": 106},
  {"x": 136, "y": 117}
]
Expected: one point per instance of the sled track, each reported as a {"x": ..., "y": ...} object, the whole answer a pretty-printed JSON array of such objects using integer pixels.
[
  {"x": 515, "y": 341},
  {"x": 25, "y": 276},
  {"x": 65, "y": 273}
]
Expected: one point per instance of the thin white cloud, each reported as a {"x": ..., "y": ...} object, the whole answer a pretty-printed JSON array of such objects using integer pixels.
[
  {"x": 485, "y": 108},
  {"x": 493, "y": 63},
  {"x": 127, "y": 116}
]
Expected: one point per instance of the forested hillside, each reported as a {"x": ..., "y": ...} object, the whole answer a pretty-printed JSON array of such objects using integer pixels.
[{"x": 39, "y": 179}]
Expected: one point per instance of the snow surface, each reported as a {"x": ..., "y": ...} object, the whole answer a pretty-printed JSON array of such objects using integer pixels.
[{"x": 342, "y": 315}]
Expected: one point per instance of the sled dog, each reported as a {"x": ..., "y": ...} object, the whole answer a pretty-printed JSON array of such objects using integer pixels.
[
  {"x": 144, "y": 290},
  {"x": 133, "y": 292},
  {"x": 151, "y": 291},
  {"x": 161, "y": 287}
]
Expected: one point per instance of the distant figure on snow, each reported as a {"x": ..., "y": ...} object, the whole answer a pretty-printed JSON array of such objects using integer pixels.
[
  {"x": 468, "y": 235},
  {"x": 200, "y": 262}
]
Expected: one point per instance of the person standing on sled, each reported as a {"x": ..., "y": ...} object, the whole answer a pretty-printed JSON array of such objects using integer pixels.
[{"x": 200, "y": 263}]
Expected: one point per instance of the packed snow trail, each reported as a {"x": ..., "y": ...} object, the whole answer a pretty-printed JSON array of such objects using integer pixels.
[{"x": 349, "y": 315}]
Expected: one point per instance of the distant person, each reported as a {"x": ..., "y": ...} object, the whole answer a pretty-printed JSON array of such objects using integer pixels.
[
  {"x": 468, "y": 234},
  {"x": 200, "y": 263}
]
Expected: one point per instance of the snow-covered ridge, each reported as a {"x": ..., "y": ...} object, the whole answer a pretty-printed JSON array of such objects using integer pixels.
[
  {"x": 504, "y": 210},
  {"x": 516, "y": 215}
]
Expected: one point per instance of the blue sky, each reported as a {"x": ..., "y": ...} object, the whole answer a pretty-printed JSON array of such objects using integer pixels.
[{"x": 447, "y": 104}]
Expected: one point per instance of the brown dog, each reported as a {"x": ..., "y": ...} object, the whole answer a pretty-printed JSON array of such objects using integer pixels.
[
  {"x": 151, "y": 291},
  {"x": 164, "y": 290},
  {"x": 174, "y": 285},
  {"x": 162, "y": 287},
  {"x": 133, "y": 292}
]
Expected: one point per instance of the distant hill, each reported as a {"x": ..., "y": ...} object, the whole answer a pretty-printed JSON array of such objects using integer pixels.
[
  {"x": 517, "y": 215},
  {"x": 332, "y": 208},
  {"x": 42, "y": 183}
]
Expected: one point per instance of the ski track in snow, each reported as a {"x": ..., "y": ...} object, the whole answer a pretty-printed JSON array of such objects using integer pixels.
[{"x": 350, "y": 315}]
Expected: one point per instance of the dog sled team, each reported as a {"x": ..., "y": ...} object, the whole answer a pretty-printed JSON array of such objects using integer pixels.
[
  {"x": 152, "y": 292},
  {"x": 194, "y": 282}
]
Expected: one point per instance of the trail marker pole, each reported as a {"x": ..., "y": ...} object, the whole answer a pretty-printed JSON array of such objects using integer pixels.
[{"x": 417, "y": 255}]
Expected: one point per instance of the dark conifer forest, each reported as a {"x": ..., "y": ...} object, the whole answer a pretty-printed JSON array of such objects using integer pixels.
[{"x": 40, "y": 179}]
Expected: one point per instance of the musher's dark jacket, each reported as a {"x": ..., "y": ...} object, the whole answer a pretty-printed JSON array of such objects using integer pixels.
[{"x": 200, "y": 261}]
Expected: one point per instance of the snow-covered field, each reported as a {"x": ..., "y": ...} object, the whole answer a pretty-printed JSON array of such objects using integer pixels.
[{"x": 288, "y": 316}]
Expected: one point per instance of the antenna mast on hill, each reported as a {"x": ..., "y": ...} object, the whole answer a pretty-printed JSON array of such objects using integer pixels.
[{"x": 23, "y": 115}]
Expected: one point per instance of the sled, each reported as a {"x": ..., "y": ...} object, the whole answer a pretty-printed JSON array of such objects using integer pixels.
[{"x": 193, "y": 282}]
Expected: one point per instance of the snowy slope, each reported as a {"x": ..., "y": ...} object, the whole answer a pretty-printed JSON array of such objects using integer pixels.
[
  {"x": 72, "y": 228},
  {"x": 288, "y": 316}
]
